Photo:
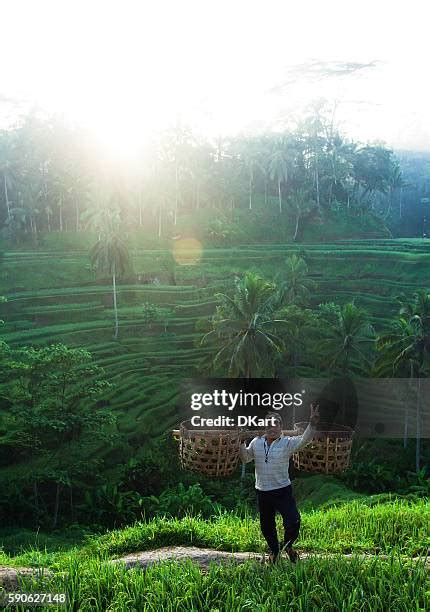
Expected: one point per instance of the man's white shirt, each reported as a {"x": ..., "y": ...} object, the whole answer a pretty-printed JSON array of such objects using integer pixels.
[{"x": 273, "y": 474}]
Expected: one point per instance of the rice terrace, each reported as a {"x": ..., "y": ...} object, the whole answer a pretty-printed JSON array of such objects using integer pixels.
[{"x": 214, "y": 318}]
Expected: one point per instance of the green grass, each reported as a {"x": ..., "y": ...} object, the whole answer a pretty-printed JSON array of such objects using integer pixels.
[
  {"x": 317, "y": 584},
  {"x": 353, "y": 526},
  {"x": 397, "y": 528}
]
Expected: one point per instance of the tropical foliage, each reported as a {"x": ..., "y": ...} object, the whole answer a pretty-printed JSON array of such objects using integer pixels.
[{"x": 52, "y": 178}]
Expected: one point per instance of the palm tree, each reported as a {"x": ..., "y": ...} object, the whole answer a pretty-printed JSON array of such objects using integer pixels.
[
  {"x": 295, "y": 332},
  {"x": 8, "y": 168},
  {"x": 200, "y": 169},
  {"x": 346, "y": 336},
  {"x": 300, "y": 202},
  {"x": 249, "y": 159},
  {"x": 297, "y": 285},
  {"x": 176, "y": 149},
  {"x": 405, "y": 349},
  {"x": 245, "y": 328},
  {"x": 16, "y": 223},
  {"x": 372, "y": 168},
  {"x": 313, "y": 141},
  {"x": 110, "y": 255},
  {"x": 339, "y": 168},
  {"x": 395, "y": 182},
  {"x": 103, "y": 215},
  {"x": 278, "y": 167}
]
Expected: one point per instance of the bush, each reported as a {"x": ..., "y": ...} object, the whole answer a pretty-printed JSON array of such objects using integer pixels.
[
  {"x": 109, "y": 506},
  {"x": 181, "y": 501},
  {"x": 370, "y": 476}
]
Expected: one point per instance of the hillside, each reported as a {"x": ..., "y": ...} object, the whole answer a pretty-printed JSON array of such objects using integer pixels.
[{"x": 53, "y": 296}]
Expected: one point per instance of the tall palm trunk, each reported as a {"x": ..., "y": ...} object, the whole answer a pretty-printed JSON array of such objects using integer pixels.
[
  {"x": 297, "y": 226},
  {"x": 418, "y": 428},
  {"x": 61, "y": 218},
  {"x": 345, "y": 370},
  {"x": 280, "y": 196},
  {"x": 140, "y": 206},
  {"x": 250, "y": 191},
  {"x": 400, "y": 203},
  {"x": 114, "y": 302},
  {"x": 390, "y": 202},
  {"x": 77, "y": 215},
  {"x": 406, "y": 421},
  {"x": 159, "y": 220},
  {"x": 36, "y": 499},
  {"x": 6, "y": 195},
  {"x": 317, "y": 185},
  {"x": 198, "y": 196},
  {"x": 57, "y": 505},
  {"x": 176, "y": 192}
]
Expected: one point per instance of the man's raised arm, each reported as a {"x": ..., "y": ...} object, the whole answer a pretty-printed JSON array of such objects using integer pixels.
[{"x": 297, "y": 442}]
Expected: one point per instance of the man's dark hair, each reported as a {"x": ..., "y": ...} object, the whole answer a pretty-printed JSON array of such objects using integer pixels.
[{"x": 275, "y": 415}]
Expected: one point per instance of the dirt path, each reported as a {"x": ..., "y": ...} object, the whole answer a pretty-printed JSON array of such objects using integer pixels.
[
  {"x": 9, "y": 575},
  {"x": 203, "y": 556}
]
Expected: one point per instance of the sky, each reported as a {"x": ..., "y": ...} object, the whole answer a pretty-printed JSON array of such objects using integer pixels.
[{"x": 124, "y": 69}]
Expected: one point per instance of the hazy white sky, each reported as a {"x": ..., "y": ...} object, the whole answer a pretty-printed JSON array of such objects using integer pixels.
[{"x": 125, "y": 67}]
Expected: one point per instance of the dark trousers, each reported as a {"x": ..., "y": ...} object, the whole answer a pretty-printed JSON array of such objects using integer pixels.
[{"x": 278, "y": 500}]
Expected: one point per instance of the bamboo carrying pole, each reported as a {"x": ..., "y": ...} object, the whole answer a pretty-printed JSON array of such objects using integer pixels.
[
  {"x": 213, "y": 452},
  {"x": 216, "y": 452},
  {"x": 244, "y": 434}
]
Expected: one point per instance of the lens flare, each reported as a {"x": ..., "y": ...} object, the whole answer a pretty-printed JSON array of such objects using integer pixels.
[{"x": 187, "y": 251}]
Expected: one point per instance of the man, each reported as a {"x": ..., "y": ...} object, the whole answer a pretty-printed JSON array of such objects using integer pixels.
[{"x": 271, "y": 454}]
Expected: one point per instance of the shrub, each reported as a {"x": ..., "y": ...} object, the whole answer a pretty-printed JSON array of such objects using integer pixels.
[
  {"x": 181, "y": 501},
  {"x": 370, "y": 476}
]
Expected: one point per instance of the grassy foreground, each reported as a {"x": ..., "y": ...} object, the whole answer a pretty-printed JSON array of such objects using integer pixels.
[{"x": 399, "y": 528}]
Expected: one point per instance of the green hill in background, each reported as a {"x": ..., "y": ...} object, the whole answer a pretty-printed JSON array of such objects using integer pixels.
[{"x": 53, "y": 296}]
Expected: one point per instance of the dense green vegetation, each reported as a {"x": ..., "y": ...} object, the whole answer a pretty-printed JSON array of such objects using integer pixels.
[
  {"x": 308, "y": 183},
  {"x": 396, "y": 528},
  {"x": 268, "y": 256},
  {"x": 54, "y": 297}
]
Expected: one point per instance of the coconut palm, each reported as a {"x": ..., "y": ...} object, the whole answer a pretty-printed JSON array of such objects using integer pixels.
[
  {"x": 395, "y": 182},
  {"x": 249, "y": 158},
  {"x": 346, "y": 335},
  {"x": 405, "y": 349},
  {"x": 278, "y": 167},
  {"x": 296, "y": 284},
  {"x": 296, "y": 333},
  {"x": 245, "y": 328},
  {"x": 103, "y": 215},
  {"x": 300, "y": 203},
  {"x": 346, "y": 340},
  {"x": 312, "y": 139},
  {"x": 9, "y": 168},
  {"x": 110, "y": 255}
]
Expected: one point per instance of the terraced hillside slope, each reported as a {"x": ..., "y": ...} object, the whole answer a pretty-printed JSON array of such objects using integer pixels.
[{"x": 53, "y": 296}]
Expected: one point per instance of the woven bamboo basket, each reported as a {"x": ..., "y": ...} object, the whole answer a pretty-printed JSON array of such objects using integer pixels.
[
  {"x": 213, "y": 452},
  {"x": 329, "y": 451}
]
